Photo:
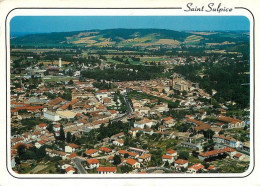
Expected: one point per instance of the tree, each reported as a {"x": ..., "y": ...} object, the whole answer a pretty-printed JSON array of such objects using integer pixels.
[
  {"x": 62, "y": 134},
  {"x": 71, "y": 82},
  {"x": 21, "y": 150},
  {"x": 41, "y": 152},
  {"x": 126, "y": 155},
  {"x": 166, "y": 164},
  {"x": 29, "y": 155},
  {"x": 68, "y": 139},
  {"x": 208, "y": 134},
  {"x": 184, "y": 155},
  {"x": 117, "y": 159},
  {"x": 126, "y": 169},
  {"x": 50, "y": 128},
  {"x": 73, "y": 138}
]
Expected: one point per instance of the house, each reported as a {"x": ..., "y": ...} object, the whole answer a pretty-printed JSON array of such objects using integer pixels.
[
  {"x": 162, "y": 128},
  {"x": 72, "y": 155},
  {"x": 91, "y": 152},
  {"x": 53, "y": 153},
  {"x": 133, "y": 131},
  {"x": 133, "y": 154},
  {"x": 42, "y": 126},
  {"x": 71, "y": 147},
  {"x": 148, "y": 131},
  {"x": 180, "y": 163},
  {"x": 144, "y": 158},
  {"x": 197, "y": 146},
  {"x": 39, "y": 144},
  {"x": 56, "y": 127},
  {"x": 211, "y": 167},
  {"x": 227, "y": 140},
  {"x": 239, "y": 156},
  {"x": 13, "y": 163},
  {"x": 70, "y": 170},
  {"x": 111, "y": 159},
  {"x": 65, "y": 166},
  {"x": 105, "y": 150},
  {"x": 118, "y": 142},
  {"x": 106, "y": 170},
  {"x": 138, "y": 150},
  {"x": 51, "y": 116},
  {"x": 205, "y": 155},
  {"x": 168, "y": 158},
  {"x": 133, "y": 163},
  {"x": 144, "y": 122},
  {"x": 168, "y": 122},
  {"x": 171, "y": 152},
  {"x": 232, "y": 122},
  {"x": 195, "y": 168},
  {"x": 116, "y": 136},
  {"x": 92, "y": 163}
]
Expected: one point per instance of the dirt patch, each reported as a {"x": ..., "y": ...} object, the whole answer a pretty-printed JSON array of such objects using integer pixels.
[{"x": 37, "y": 169}]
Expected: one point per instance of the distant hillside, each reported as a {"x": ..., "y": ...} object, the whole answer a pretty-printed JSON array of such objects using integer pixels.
[{"x": 146, "y": 38}]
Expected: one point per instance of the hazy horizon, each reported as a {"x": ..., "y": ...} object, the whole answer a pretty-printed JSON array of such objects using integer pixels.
[{"x": 48, "y": 24}]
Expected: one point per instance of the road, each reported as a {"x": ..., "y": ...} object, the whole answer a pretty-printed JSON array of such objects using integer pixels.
[
  {"x": 77, "y": 162},
  {"x": 129, "y": 108}
]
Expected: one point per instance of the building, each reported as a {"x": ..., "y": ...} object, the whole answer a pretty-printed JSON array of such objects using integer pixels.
[
  {"x": 144, "y": 158},
  {"x": 91, "y": 152},
  {"x": 167, "y": 158},
  {"x": 214, "y": 153},
  {"x": 133, "y": 163},
  {"x": 71, "y": 147},
  {"x": 92, "y": 163},
  {"x": 51, "y": 116},
  {"x": 195, "y": 168},
  {"x": 180, "y": 163},
  {"x": 106, "y": 170}
]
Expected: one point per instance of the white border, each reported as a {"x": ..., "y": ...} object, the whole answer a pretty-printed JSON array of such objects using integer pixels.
[{"x": 130, "y": 12}]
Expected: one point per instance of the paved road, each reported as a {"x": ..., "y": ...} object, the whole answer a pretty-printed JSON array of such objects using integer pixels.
[
  {"x": 77, "y": 161},
  {"x": 157, "y": 168},
  {"x": 129, "y": 108}
]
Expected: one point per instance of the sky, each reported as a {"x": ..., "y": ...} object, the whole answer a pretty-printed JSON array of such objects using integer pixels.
[{"x": 44, "y": 24}]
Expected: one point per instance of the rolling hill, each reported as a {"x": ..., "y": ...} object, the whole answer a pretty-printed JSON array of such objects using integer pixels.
[{"x": 145, "y": 38}]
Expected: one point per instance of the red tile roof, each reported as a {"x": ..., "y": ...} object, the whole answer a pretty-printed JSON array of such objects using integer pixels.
[
  {"x": 144, "y": 156},
  {"x": 42, "y": 125},
  {"x": 72, "y": 155},
  {"x": 90, "y": 151},
  {"x": 215, "y": 152},
  {"x": 123, "y": 152},
  {"x": 238, "y": 155},
  {"x": 70, "y": 168},
  {"x": 211, "y": 167},
  {"x": 92, "y": 161},
  {"x": 55, "y": 101},
  {"x": 102, "y": 91},
  {"x": 105, "y": 149},
  {"x": 197, "y": 166},
  {"x": 131, "y": 161},
  {"x": 112, "y": 111},
  {"x": 228, "y": 119},
  {"x": 18, "y": 144},
  {"x": 166, "y": 157},
  {"x": 72, "y": 145},
  {"x": 168, "y": 118},
  {"x": 170, "y": 151},
  {"x": 72, "y": 102},
  {"x": 181, "y": 161},
  {"x": 106, "y": 169}
]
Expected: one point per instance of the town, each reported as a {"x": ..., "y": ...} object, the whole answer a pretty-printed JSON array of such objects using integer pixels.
[{"x": 135, "y": 112}]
